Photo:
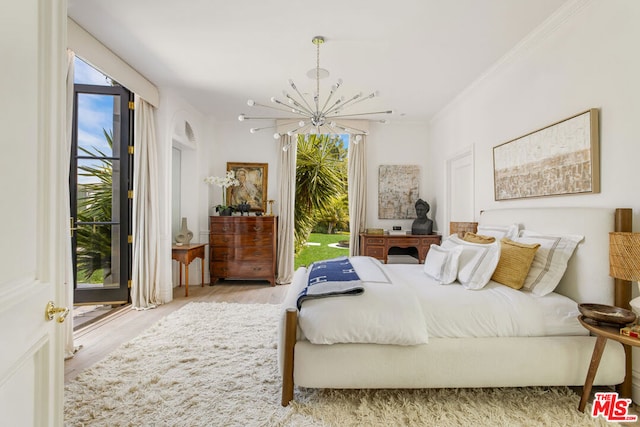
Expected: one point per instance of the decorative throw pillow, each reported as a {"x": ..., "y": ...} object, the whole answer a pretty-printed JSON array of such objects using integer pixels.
[
  {"x": 499, "y": 231},
  {"x": 442, "y": 264},
  {"x": 515, "y": 262},
  {"x": 550, "y": 261},
  {"x": 478, "y": 238},
  {"x": 477, "y": 261}
]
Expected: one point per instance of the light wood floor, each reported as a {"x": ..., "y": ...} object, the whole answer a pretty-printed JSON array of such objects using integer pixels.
[{"x": 100, "y": 338}]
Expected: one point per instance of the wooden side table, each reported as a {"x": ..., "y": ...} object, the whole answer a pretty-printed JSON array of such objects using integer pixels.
[
  {"x": 184, "y": 254},
  {"x": 603, "y": 333}
]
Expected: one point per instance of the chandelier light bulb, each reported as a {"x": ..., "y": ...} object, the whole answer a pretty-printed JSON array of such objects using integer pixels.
[
  {"x": 241, "y": 117},
  {"x": 253, "y": 130},
  {"x": 301, "y": 123},
  {"x": 285, "y": 148},
  {"x": 290, "y": 133},
  {"x": 358, "y": 139},
  {"x": 251, "y": 102},
  {"x": 273, "y": 99},
  {"x": 276, "y": 135}
]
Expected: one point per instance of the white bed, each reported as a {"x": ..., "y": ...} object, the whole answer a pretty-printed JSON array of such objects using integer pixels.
[{"x": 460, "y": 351}]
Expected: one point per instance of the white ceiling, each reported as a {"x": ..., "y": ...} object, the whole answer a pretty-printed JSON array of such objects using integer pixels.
[{"x": 418, "y": 54}]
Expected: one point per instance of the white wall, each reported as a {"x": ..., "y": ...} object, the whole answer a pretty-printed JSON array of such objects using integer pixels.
[
  {"x": 584, "y": 57},
  {"x": 398, "y": 144},
  {"x": 170, "y": 117}
]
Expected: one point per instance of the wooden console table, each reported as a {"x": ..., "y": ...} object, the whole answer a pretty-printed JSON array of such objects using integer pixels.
[
  {"x": 184, "y": 254},
  {"x": 378, "y": 245}
]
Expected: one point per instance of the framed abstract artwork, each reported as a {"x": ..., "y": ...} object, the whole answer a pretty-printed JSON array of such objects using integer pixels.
[
  {"x": 398, "y": 190},
  {"x": 559, "y": 159},
  {"x": 253, "y": 185}
]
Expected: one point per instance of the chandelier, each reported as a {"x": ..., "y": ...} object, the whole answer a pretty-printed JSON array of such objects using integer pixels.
[{"x": 313, "y": 115}]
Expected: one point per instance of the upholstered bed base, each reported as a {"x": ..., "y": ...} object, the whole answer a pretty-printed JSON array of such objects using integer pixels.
[
  {"x": 479, "y": 362},
  {"x": 472, "y": 362}
]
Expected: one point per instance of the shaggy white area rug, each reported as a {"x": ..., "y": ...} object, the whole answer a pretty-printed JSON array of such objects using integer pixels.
[{"x": 215, "y": 364}]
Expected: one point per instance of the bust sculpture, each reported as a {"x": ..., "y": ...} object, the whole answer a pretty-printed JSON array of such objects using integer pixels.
[{"x": 422, "y": 224}]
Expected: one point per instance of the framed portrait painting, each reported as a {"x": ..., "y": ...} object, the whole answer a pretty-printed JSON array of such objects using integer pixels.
[{"x": 253, "y": 185}]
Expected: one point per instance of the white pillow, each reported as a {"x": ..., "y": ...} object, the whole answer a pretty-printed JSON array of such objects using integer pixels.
[
  {"x": 442, "y": 264},
  {"x": 550, "y": 261},
  {"x": 499, "y": 231},
  {"x": 477, "y": 261}
]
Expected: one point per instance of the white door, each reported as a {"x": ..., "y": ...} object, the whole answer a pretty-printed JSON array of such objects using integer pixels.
[
  {"x": 32, "y": 41},
  {"x": 460, "y": 188}
]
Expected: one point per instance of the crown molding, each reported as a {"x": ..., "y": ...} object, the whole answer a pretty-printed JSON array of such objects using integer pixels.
[{"x": 556, "y": 20}]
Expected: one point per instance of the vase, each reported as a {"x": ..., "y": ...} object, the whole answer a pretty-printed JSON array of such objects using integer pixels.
[
  {"x": 184, "y": 235},
  {"x": 225, "y": 212}
]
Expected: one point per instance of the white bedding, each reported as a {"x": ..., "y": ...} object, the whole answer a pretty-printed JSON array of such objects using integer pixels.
[{"x": 414, "y": 307}]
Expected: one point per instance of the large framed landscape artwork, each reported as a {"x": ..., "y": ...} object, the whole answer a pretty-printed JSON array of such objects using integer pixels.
[
  {"x": 253, "y": 185},
  {"x": 559, "y": 159}
]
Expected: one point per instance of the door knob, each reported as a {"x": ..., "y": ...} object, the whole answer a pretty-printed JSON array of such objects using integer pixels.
[{"x": 51, "y": 310}]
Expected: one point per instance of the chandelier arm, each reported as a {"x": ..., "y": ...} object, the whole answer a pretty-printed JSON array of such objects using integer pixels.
[
  {"x": 343, "y": 104},
  {"x": 351, "y": 129},
  {"x": 270, "y": 118},
  {"x": 288, "y": 107},
  {"x": 324, "y": 107},
  {"x": 300, "y": 95},
  {"x": 360, "y": 114},
  {"x": 300, "y": 106},
  {"x": 288, "y": 110},
  {"x": 364, "y": 98}
]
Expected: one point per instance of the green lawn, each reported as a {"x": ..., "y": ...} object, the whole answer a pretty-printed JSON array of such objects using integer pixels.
[{"x": 315, "y": 253}]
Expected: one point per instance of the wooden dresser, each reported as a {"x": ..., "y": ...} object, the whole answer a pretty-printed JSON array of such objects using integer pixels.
[
  {"x": 242, "y": 247},
  {"x": 381, "y": 245}
]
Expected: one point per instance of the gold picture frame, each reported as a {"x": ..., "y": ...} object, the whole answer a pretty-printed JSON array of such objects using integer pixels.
[
  {"x": 560, "y": 159},
  {"x": 253, "y": 179}
]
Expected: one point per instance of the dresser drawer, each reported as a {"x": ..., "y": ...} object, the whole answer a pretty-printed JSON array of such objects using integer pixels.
[
  {"x": 233, "y": 269},
  {"x": 374, "y": 241},
  {"x": 240, "y": 240},
  {"x": 255, "y": 227},
  {"x": 375, "y": 251},
  {"x": 257, "y": 253},
  {"x": 222, "y": 225}
]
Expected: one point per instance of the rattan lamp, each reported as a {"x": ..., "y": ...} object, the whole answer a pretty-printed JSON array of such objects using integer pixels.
[{"x": 624, "y": 259}]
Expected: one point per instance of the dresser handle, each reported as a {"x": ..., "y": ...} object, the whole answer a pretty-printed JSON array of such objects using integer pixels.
[
  {"x": 257, "y": 228},
  {"x": 226, "y": 228}
]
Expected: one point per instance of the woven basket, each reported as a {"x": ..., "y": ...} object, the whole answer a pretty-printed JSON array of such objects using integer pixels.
[{"x": 624, "y": 255}]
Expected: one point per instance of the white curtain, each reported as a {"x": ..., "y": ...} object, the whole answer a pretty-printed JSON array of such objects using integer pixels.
[
  {"x": 64, "y": 253},
  {"x": 145, "y": 275},
  {"x": 357, "y": 180},
  {"x": 287, "y": 192}
]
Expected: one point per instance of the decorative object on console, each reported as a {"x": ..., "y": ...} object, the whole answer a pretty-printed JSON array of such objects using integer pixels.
[
  {"x": 398, "y": 188},
  {"x": 624, "y": 259},
  {"x": 422, "y": 224},
  {"x": 607, "y": 314},
  {"x": 252, "y": 185},
  {"x": 185, "y": 235},
  {"x": 243, "y": 208},
  {"x": 229, "y": 180},
  {"x": 271, "y": 202},
  {"x": 562, "y": 158},
  {"x": 314, "y": 115}
]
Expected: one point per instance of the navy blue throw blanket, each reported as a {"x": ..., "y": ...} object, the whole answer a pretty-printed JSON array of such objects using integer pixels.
[{"x": 330, "y": 278}]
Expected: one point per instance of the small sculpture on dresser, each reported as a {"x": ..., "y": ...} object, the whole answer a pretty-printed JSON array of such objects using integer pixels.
[{"x": 422, "y": 224}]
